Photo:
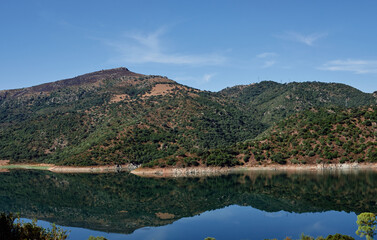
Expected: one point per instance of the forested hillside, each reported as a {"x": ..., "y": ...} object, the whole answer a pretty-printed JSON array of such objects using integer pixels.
[
  {"x": 325, "y": 135},
  {"x": 272, "y": 101},
  {"x": 117, "y": 116}
]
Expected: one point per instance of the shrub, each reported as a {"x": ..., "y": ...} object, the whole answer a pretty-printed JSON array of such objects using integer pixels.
[
  {"x": 311, "y": 154},
  {"x": 279, "y": 158},
  {"x": 246, "y": 158},
  {"x": 294, "y": 161},
  {"x": 343, "y": 160},
  {"x": 339, "y": 237}
]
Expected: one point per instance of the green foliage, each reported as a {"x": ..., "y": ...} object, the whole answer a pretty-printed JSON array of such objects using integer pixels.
[
  {"x": 339, "y": 237},
  {"x": 279, "y": 158},
  {"x": 366, "y": 223},
  {"x": 11, "y": 228},
  {"x": 306, "y": 237},
  {"x": 222, "y": 158}
]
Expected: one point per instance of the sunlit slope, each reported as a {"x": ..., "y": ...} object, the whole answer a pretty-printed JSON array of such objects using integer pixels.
[{"x": 117, "y": 116}]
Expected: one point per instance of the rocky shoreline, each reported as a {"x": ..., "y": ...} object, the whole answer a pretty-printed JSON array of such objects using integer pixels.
[
  {"x": 94, "y": 169},
  {"x": 211, "y": 171},
  {"x": 5, "y": 166},
  {"x": 188, "y": 171}
]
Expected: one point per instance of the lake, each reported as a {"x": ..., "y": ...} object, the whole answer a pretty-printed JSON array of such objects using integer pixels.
[{"x": 254, "y": 205}]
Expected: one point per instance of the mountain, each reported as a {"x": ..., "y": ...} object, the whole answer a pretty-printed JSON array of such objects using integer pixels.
[{"x": 117, "y": 116}]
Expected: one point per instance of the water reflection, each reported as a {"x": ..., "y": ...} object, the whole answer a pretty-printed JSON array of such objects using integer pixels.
[{"x": 120, "y": 202}]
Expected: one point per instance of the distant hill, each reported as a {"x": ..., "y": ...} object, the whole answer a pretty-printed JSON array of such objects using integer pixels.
[
  {"x": 273, "y": 101},
  {"x": 117, "y": 116}
]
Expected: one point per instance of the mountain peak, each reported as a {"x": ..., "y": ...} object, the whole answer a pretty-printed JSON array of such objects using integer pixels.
[
  {"x": 88, "y": 78},
  {"x": 119, "y": 70}
]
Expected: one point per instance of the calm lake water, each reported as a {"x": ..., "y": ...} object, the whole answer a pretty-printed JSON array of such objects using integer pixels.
[{"x": 256, "y": 205}]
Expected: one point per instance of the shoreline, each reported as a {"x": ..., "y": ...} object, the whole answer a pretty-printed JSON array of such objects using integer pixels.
[
  {"x": 5, "y": 167},
  {"x": 93, "y": 169},
  {"x": 213, "y": 171},
  {"x": 187, "y": 171}
]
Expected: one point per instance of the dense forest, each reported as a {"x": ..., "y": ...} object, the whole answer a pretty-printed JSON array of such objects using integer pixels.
[{"x": 116, "y": 116}]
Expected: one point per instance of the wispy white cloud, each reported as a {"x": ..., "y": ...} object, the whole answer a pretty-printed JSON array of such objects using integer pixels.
[
  {"x": 207, "y": 77},
  {"x": 349, "y": 65},
  {"x": 301, "y": 38},
  {"x": 267, "y": 58},
  {"x": 268, "y": 64},
  {"x": 150, "y": 48},
  {"x": 199, "y": 80},
  {"x": 267, "y": 55}
]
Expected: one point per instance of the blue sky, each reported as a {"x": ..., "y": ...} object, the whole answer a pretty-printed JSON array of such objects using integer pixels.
[{"x": 205, "y": 44}]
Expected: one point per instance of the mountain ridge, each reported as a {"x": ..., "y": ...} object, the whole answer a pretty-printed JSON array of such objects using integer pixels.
[
  {"x": 87, "y": 78},
  {"x": 117, "y": 116}
]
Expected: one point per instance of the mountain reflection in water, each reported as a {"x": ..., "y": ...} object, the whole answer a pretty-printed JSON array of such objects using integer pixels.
[{"x": 122, "y": 202}]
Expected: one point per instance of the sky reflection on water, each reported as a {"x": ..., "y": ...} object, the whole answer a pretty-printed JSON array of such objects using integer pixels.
[{"x": 237, "y": 222}]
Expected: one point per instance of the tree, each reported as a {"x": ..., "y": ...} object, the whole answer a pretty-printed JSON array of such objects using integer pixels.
[{"x": 366, "y": 223}]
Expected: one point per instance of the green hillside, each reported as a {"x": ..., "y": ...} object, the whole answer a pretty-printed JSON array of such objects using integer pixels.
[
  {"x": 325, "y": 135},
  {"x": 117, "y": 116},
  {"x": 272, "y": 101}
]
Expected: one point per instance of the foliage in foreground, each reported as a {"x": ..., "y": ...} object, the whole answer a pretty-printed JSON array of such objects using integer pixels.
[
  {"x": 12, "y": 228},
  {"x": 366, "y": 223}
]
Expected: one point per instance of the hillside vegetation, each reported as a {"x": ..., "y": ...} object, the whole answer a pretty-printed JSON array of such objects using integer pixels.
[
  {"x": 116, "y": 116},
  {"x": 272, "y": 101},
  {"x": 325, "y": 135}
]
